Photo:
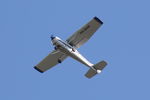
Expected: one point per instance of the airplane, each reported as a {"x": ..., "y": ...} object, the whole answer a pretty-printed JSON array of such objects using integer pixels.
[{"x": 68, "y": 48}]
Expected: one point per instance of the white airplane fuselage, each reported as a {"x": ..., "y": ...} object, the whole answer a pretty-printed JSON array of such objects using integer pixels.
[{"x": 66, "y": 48}]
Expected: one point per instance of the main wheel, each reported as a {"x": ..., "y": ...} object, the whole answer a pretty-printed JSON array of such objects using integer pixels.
[
  {"x": 55, "y": 48},
  {"x": 59, "y": 61}
]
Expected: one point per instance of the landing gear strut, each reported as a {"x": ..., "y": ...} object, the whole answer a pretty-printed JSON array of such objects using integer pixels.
[{"x": 73, "y": 49}]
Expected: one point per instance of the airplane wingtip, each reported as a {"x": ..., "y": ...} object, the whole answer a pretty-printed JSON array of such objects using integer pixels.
[
  {"x": 35, "y": 67},
  {"x": 98, "y": 20}
]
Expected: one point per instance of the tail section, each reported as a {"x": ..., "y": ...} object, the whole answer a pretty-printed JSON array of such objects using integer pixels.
[{"x": 97, "y": 68}]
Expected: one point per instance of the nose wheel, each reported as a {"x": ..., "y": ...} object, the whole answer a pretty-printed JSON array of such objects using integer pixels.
[{"x": 56, "y": 47}]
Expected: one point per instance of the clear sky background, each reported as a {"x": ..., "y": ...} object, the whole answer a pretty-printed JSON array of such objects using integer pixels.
[{"x": 123, "y": 41}]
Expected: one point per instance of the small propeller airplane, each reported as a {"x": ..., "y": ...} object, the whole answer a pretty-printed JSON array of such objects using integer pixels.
[{"x": 63, "y": 49}]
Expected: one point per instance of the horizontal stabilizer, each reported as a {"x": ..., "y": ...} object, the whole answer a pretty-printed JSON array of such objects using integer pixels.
[
  {"x": 97, "y": 68},
  {"x": 90, "y": 73}
]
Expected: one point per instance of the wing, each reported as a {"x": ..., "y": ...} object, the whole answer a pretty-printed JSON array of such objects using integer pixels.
[
  {"x": 83, "y": 34},
  {"x": 51, "y": 60}
]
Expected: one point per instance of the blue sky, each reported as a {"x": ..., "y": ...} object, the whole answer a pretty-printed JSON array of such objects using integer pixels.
[{"x": 123, "y": 41}]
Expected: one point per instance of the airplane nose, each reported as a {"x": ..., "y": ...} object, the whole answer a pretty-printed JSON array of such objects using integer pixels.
[{"x": 52, "y": 37}]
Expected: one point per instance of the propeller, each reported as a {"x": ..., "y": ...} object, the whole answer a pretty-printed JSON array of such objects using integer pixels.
[{"x": 52, "y": 37}]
